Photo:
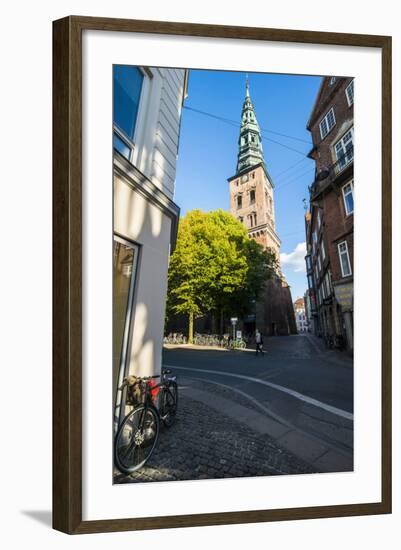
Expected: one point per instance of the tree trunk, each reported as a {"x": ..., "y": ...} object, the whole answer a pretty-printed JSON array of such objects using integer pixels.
[
  {"x": 191, "y": 328},
  {"x": 221, "y": 322},
  {"x": 215, "y": 330}
]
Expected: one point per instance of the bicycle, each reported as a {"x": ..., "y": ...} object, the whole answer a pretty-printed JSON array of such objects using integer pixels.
[{"x": 138, "y": 434}]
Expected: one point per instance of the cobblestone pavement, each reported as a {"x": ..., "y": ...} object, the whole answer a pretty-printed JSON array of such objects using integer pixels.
[{"x": 204, "y": 443}]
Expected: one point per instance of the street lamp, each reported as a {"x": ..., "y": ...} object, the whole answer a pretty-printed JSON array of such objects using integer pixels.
[{"x": 234, "y": 322}]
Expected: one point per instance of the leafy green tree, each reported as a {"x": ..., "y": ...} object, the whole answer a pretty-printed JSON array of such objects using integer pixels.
[{"x": 215, "y": 267}]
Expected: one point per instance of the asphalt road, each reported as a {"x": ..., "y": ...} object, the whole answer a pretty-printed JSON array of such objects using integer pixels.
[{"x": 297, "y": 383}]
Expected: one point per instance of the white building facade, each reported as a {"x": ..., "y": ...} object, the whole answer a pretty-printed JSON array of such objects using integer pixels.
[
  {"x": 147, "y": 112},
  {"x": 300, "y": 316}
]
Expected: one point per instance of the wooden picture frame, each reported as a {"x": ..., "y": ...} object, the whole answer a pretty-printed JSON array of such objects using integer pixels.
[{"x": 67, "y": 273}]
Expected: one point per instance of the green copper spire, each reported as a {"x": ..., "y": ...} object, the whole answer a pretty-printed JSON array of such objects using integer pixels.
[{"x": 250, "y": 140}]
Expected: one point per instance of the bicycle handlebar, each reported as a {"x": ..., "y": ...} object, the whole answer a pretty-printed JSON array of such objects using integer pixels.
[{"x": 144, "y": 378}]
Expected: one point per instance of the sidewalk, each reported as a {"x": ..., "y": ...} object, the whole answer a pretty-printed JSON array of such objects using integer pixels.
[
  {"x": 334, "y": 355},
  {"x": 217, "y": 437}
]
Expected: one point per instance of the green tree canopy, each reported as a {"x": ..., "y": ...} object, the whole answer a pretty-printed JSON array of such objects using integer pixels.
[{"x": 215, "y": 267}]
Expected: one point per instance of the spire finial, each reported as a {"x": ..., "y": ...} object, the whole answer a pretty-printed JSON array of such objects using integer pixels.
[{"x": 247, "y": 86}]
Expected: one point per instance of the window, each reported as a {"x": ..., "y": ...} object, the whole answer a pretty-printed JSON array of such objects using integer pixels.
[
  {"x": 318, "y": 219},
  {"x": 327, "y": 123},
  {"x": 252, "y": 197},
  {"x": 127, "y": 90},
  {"x": 319, "y": 263},
  {"x": 349, "y": 92},
  {"x": 252, "y": 219},
  {"x": 344, "y": 259},
  {"x": 121, "y": 146},
  {"x": 308, "y": 262},
  {"x": 310, "y": 281},
  {"x": 125, "y": 257},
  {"x": 314, "y": 240},
  {"x": 127, "y": 86},
  {"x": 323, "y": 290},
  {"x": 323, "y": 251},
  {"x": 241, "y": 219},
  {"x": 328, "y": 283},
  {"x": 344, "y": 149},
  {"x": 239, "y": 201},
  {"x": 332, "y": 80},
  {"x": 348, "y": 196}
]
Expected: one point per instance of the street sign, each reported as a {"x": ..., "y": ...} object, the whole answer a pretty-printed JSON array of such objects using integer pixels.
[
  {"x": 239, "y": 334},
  {"x": 234, "y": 320}
]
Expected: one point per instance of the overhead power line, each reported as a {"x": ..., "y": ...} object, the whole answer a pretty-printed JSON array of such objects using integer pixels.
[
  {"x": 263, "y": 130},
  {"x": 281, "y": 181},
  {"x": 289, "y": 168},
  {"x": 294, "y": 179}
]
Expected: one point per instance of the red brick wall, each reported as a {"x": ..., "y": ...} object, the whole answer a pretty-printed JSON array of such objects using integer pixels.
[
  {"x": 343, "y": 115},
  {"x": 337, "y": 227}
]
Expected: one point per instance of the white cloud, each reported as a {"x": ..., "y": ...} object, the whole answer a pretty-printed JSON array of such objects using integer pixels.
[{"x": 295, "y": 260}]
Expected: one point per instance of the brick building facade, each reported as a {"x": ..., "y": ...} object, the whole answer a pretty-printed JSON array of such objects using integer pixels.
[{"x": 329, "y": 221}]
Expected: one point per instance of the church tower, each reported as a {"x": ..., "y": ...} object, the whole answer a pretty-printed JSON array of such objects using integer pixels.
[
  {"x": 252, "y": 203},
  {"x": 251, "y": 188}
]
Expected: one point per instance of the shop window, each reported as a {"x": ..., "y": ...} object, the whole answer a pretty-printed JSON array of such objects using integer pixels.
[{"x": 125, "y": 257}]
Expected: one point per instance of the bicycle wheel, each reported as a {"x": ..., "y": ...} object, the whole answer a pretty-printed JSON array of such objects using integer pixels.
[
  {"x": 169, "y": 403},
  {"x": 136, "y": 438}
]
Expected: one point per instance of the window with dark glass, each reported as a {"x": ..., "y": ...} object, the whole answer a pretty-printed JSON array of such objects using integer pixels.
[
  {"x": 239, "y": 201},
  {"x": 252, "y": 196},
  {"x": 127, "y": 87}
]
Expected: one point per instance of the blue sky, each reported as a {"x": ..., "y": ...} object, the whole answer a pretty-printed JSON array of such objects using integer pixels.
[{"x": 208, "y": 150}]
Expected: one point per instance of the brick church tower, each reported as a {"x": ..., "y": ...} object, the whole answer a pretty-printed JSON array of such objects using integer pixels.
[{"x": 252, "y": 202}]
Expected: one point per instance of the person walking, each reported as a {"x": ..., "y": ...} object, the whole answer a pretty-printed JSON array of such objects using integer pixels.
[{"x": 259, "y": 343}]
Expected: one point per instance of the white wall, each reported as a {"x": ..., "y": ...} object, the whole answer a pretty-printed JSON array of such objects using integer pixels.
[
  {"x": 26, "y": 274},
  {"x": 138, "y": 220},
  {"x": 155, "y": 155},
  {"x": 157, "y": 128}
]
